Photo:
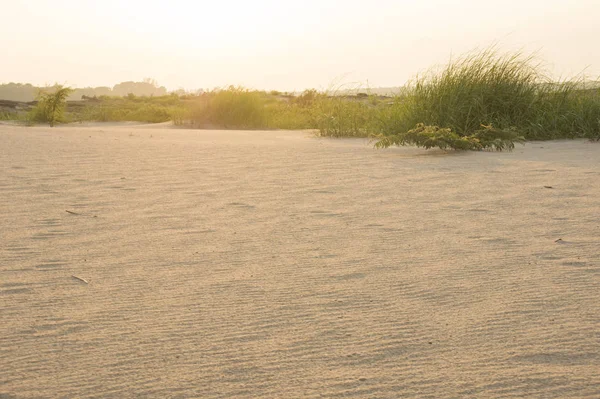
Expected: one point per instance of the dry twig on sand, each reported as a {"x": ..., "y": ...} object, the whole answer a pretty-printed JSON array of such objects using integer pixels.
[
  {"x": 80, "y": 279},
  {"x": 80, "y": 214}
]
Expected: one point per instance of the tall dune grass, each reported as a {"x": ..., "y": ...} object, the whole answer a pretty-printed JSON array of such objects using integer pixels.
[
  {"x": 337, "y": 116},
  {"x": 482, "y": 88},
  {"x": 239, "y": 108},
  {"x": 509, "y": 93},
  {"x": 289, "y": 116},
  {"x": 8, "y": 115},
  {"x": 130, "y": 108},
  {"x": 232, "y": 108},
  {"x": 565, "y": 110}
]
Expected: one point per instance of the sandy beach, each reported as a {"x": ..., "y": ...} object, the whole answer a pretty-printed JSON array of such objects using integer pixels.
[{"x": 273, "y": 264}]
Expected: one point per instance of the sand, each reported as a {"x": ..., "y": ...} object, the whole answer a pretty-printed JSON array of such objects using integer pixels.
[{"x": 227, "y": 264}]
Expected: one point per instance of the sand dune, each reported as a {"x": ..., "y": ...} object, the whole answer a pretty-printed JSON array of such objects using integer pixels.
[{"x": 277, "y": 265}]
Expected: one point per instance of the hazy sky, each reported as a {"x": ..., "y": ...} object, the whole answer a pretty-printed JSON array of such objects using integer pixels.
[{"x": 284, "y": 45}]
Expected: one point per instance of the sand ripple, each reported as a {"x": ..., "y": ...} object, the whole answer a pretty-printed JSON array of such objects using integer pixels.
[{"x": 276, "y": 265}]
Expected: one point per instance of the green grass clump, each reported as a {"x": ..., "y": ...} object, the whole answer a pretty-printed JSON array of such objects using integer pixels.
[
  {"x": 337, "y": 116},
  {"x": 130, "y": 108},
  {"x": 565, "y": 110},
  {"x": 289, "y": 116},
  {"x": 507, "y": 91},
  {"x": 481, "y": 88},
  {"x": 9, "y": 116},
  {"x": 151, "y": 113},
  {"x": 232, "y": 108},
  {"x": 240, "y": 108}
]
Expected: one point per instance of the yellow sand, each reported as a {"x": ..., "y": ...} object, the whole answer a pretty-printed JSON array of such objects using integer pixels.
[{"x": 224, "y": 264}]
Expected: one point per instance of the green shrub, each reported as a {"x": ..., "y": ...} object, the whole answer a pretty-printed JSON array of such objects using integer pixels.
[
  {"x": 50, "y": 107},
  {"x": 491, "y": 138},
  {"x": 427, "y": 136}
]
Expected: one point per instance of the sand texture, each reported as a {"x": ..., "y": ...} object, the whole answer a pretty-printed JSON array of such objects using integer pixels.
[{"x": 226, "y": 264}]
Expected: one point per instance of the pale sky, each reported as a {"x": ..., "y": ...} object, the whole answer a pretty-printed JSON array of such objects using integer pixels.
[{"x": 280, "y": 44}]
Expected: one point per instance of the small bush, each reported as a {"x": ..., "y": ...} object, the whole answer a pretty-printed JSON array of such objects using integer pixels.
[
  {"x": 491, "y": 138},
  {"x": 50, "y": 107},
  {"x": 427, "y": 136}
]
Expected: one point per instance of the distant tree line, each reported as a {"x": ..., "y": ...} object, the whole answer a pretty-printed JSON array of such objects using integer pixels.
[{"x": 27, "y": 92}]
